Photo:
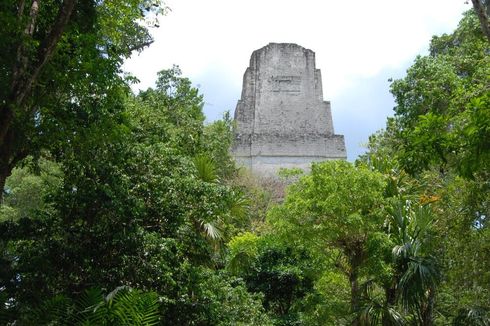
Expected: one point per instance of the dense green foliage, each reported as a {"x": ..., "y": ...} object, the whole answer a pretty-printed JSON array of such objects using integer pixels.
[
  {"x": 140, "y": 214},
  {"x": 60, "y": 69},
  {"x": 123, "y": 306},
  {"x": 126, "y": 209},
  {"x": 435, "y": 152},
  {"x": 442, "y": 114}
]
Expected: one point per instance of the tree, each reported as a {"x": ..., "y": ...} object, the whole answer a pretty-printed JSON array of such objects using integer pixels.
[
  {"x": 482, "y": 10},
  {"x": 336, "y": 209},
  {"x": 283, "y": 274},
  {"x": 455, "y": 246},
  {"x": 132, "y": 209},
  {"x": 463, "y": 235},
  {"x": 27, "y": 188},
  {"x": 442, "y": 105},
  {"x": 217, "y": 139},
  {"x": 60, "y": 67},
  {"x": 417, "y": 272},
  {"x": 440, "y": 136}
]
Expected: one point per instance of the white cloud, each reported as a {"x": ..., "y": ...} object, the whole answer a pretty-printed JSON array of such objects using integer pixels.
[
  {"x": 354, "y": 40},
  {"x": 351, "y": 38}
]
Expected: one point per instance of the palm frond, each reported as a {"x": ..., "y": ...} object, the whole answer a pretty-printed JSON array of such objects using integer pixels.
[
  {"x": 398, "y": 213},
  {"x": 53, "y": 311},
  {"x": 110, "y": 297},
  {"x": 212, "y": 231},
  {"x": 472, "y": 316},
  {"x": 206, "y": 169},
  {"x": 239, "y": 205},
  {"x": 395, "y": 317},
  {"x": 375, "y": 311},
  {"x": 403, "y": 251},
  {"x": 422, "y": 220},
  {"x": 370, "y": 314},
  {"x": 122, "y": 306},
  {"x": 421, "y": 275},
  {"x": 91, "y": 308},
  {"x": 373, "y": 315},
  {"x": 132, "y": 307}
]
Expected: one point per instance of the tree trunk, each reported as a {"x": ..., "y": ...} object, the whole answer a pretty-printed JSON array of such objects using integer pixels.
[
  {"x": 427, "y": 309},
  {"x": 4, "y": 173},
  {"x": 6, "y": 117},
  {"x": 24, "y": 76},
  {"x": 10, "y": 154},
  {"x": 5, "y": 160},
  {"x": 390, "y": 294},
  {"x": 354, "y": 295},
  {"x": 355, "y": 253},
  {"x": 483, "y": 17},
  {"x": 27, "y": 70},
  {"x": 47, "y": 47}
]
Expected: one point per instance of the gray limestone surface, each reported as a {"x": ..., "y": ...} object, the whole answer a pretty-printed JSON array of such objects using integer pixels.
[{"x": 281, "y": 118}]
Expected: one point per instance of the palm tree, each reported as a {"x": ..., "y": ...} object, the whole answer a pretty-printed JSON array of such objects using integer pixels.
[
  {"x": 417, "y": 273},
  {"x": 238, "y": 204},
  {"x": 377, "y": 310}
]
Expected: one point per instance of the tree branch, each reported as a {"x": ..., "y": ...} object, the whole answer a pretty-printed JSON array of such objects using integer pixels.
[
  {"x": 483, "y": 17},
  {"x": 22, "y": 83},
  {"x": 20, "y": 11},
  {"x": 22, "y": 60},
  {"x": 33, "y": 16},
  {"x": 140, "y": 46},
  {"x": 47, "y": 48}
]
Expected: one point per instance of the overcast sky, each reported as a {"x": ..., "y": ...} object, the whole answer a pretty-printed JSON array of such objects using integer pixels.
[{"x": 359, "y": 45}]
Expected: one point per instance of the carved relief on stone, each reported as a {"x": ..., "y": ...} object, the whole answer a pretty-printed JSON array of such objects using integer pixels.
[{"x": 286, "y": 84}]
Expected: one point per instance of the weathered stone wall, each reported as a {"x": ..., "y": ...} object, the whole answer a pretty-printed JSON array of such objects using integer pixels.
[{"x": 281, "y": 118}]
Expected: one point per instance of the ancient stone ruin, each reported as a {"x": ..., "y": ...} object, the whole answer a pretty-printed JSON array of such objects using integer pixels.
[{"x": 281, "y": 119}]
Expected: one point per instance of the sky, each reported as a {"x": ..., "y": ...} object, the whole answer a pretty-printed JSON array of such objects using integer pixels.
[{"x": 359, "y": 45}]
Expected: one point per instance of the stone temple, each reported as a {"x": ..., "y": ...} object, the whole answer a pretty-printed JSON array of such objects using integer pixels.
[{"x": 281, "y": 119}]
